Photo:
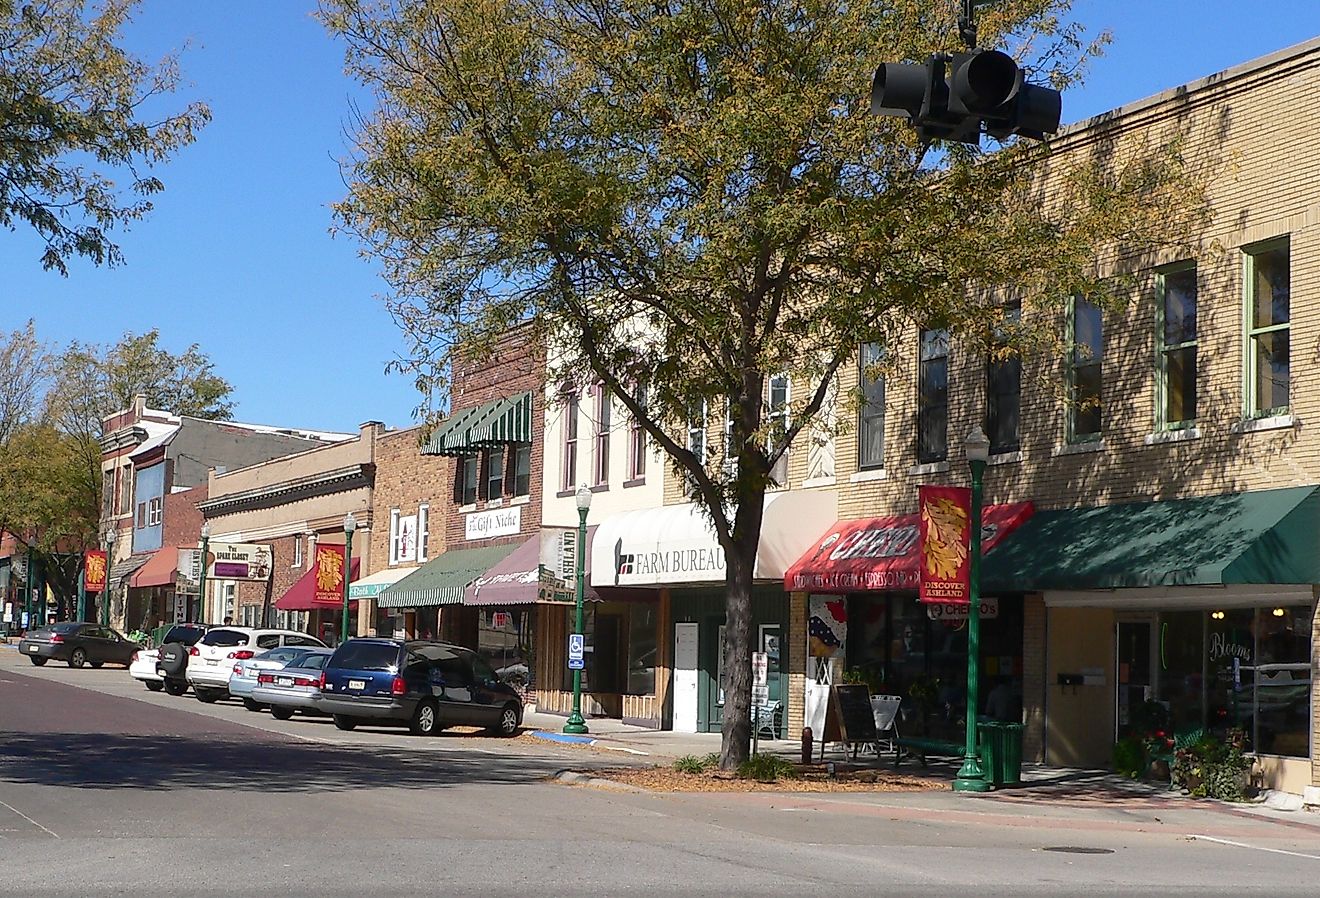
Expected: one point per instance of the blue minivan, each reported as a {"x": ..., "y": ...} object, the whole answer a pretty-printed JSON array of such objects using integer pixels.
[{"x": 421, "y": 684}]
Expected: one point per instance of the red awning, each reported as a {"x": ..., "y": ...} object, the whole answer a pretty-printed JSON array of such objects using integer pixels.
[
  {"x": 302, "y": 595},
  {"x": 158, "y": 571},
  {"x": 877, "y": 554}
]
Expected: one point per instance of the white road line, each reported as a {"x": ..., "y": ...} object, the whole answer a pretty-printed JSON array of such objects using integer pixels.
[
  {"x": 631, "y": 751},
  {"x": 30, "y": 820},
  {"x": 1313, "y": 857}
]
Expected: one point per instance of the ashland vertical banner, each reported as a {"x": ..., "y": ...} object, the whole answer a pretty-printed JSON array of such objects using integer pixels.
[
  {"x": 945, "y": 533},
  {"x": 329, "y": 574},
  {"x": 94, "y": 565}
]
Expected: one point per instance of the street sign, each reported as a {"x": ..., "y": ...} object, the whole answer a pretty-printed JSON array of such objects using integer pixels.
[
  {"x": 576, "y": 651},
  {"x": 760, "y": 678}
]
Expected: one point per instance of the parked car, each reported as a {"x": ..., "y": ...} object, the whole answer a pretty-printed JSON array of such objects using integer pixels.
[
  {"x": 78, "y": 644},
  {"x": 423, "y": 685},
  {"x": 163, "y": 668},
  {"x": 243, "y": 679},
  {"x": 211, "y": 658},
  {"x": 293, "y": 687}
]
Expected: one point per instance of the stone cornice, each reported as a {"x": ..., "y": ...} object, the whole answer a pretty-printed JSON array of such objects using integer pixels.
[{"x": 321, "y": 483}]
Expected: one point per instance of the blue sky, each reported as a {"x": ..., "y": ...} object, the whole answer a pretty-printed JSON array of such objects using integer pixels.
[{"x": 238, "y": 257}]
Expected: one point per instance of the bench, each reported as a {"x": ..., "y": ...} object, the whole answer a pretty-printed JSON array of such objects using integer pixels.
[
  {"x": 766, "y": 719},
  {"x": 924, "y": 747}
]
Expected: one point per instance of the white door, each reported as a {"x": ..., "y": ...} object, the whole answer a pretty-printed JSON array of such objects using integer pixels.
[{"x": 685, "y": 678}]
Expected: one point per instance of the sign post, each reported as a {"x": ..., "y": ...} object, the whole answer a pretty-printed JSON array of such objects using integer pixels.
[
  {"x": 760, "y": 693},
  {"x": 576, "y": 651}
]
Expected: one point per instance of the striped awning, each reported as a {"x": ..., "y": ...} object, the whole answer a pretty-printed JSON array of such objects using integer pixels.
[
  {"x": 499, "y": 422},
  {"x": 443, "y": 579}
]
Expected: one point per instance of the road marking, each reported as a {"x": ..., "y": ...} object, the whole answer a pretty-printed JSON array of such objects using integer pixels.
[
  {"x": 30, "y": 820},
  {"x": 631, "y": 751},
  {"x": 1313, "y": 857}
]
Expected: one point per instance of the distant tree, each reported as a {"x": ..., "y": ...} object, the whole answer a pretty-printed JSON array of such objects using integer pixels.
[
  {"x": 76, "y": 137},
  {"x": 25, "y": 366}
]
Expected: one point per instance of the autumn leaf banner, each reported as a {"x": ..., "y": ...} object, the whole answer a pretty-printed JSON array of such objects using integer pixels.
[
  {"x": 945, "y": 531},
  {"x": 329, "y": 573},
  {"x": 94, "y": 570}
]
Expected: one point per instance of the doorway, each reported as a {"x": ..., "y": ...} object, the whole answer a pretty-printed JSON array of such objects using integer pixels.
[
  {"x": 1135, "y": 672},
  {"x": 686, "y": 677}
]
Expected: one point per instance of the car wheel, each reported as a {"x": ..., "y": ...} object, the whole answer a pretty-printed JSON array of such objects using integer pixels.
[
  {"x": 96, "y": 665},
  {"x": 209, "y": 696},
  {"x": 78, "y": 658},
  {"x": 281, "y": 713},
  {"x": 425, "y": 720},
  {"x": 508, "y": 725},
  {"x": 253, "y": 705},
  {"x": 153, "y": 686},
  {"x": 344, "y": 722},
  {"x": 175, "y": 687},
  {"x": 173, "y": 658},
  {"x": 37, "y": 662}
]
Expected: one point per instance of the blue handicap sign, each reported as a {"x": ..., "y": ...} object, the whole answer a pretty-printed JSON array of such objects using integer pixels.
[{"x": 576, "y": 650}]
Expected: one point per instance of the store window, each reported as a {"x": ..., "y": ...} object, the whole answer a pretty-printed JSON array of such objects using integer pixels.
[
  {"x": 621, "y": 640},
  {"x": 1269, "y": 319},
  {"x": 505, "y": 640},
  {"x": 933, "y": 397}
]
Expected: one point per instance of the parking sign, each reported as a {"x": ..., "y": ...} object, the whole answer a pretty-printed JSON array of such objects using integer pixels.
[{"x": 576, "y": 651}]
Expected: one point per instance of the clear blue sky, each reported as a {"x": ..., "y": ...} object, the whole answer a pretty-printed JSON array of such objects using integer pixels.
[{"x": 237, "y": 255}]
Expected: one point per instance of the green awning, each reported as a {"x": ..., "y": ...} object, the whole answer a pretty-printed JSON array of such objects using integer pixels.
[
  {"x": 496, "y": 423},
  {"x": 1259, "y": 537},
  {"x": 441, "y": 580}
]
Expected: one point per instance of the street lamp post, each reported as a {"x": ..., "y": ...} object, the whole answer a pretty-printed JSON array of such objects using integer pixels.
[
  {"x": 109, "y": 563},
  {"x": 201, "y": 596},
  {"x": 971, "y": 776},
  {"x": 576, "y": 724},
  {"x": 350, "y": 524}
]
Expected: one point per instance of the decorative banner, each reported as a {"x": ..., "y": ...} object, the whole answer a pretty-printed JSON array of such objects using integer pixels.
[
  {"x": 827, "y": 626},
  {"x": 94, "y": 570},
  {"x": 237, "y": 561},
  {"x": 329, "y": 574},
  {"x": 945, "y": 532}
]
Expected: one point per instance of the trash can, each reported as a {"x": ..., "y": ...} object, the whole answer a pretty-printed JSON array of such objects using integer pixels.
[{"x": 1001, "y": 752}]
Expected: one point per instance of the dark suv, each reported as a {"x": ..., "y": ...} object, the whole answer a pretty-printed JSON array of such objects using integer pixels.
[
  {"x": 172, "y": 662},
  {"x": 423, "y": 685}
]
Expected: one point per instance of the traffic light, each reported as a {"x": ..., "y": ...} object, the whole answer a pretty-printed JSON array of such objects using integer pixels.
[{"x": 983, "y": 87}]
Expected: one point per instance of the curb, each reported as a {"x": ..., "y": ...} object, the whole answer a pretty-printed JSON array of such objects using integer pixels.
[
  {"x": 563, "y": 737},
  {"x": 574, "y": 778}
]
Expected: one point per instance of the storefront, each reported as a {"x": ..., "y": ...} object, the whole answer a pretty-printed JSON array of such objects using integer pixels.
[
  {"x": 673, "y": 551},
  {"x": 1199, "y": 613},
  {"x": 322, "y": 618},
  {"x": 425, "y": 604},
  {"x": 864, "y": 624},
  {"x": 151, "y": 597}
]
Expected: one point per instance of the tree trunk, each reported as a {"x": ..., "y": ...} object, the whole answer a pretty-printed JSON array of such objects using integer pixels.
[{"x": 740, "y": 564}]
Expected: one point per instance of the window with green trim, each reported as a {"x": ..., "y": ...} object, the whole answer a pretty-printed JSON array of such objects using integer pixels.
[
  {"x": 1268, "y": 298},
  {"x": 1085, "y": 358},
  {"x": 1176, "y": 334}
]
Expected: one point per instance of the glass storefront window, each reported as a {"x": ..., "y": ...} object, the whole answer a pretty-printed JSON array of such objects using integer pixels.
[
  {"x": 504, "y": 640},
  {"x": 621, "y": 648},
  {"x": 1283, "y": 681},
  {"x": 641, "y": 649}
]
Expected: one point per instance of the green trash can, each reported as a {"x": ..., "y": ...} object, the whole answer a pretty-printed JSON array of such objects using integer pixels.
[{"x": 1001, "y": 752}]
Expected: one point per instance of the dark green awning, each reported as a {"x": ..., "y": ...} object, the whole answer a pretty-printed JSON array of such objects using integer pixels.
[
  {"x": 495, "y": 423},
  {"x": 441, "y": 580},
  {"x": 1265, "y": 536}
]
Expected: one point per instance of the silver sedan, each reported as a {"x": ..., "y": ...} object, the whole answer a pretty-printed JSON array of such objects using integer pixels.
[{"x": 293, "y": 687}]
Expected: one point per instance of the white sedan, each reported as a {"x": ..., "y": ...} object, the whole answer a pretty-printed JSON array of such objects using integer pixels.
[{"x": 143, "y": 669}]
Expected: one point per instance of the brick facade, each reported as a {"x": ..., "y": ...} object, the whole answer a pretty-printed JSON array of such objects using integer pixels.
[{"x": 405, "y": 480}]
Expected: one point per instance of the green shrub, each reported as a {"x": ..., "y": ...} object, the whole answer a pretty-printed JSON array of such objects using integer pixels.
[
  {"x": 689, "y": 764},
  {"x": 766, "y": 769},
  {"x": 711, "y": 761},
  {"x": 1129, "y": 757}
]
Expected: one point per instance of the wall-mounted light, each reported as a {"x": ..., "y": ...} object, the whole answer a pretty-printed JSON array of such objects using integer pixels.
[
  {"x": 1217, "y": 615},
  {"x": 1279, "y": 612}
]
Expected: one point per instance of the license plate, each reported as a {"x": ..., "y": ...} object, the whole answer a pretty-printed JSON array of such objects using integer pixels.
[
  {"x": 212, "y": 661},
  {"x": 284, "y": 681},
  {"x": 357, "y": 684},
  {"x": 34, "y": 649}
]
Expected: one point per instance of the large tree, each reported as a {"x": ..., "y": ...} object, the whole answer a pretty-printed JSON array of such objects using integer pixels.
[
  {"x": 81, "y": 125},
  {"x": 25, "y": 366},
  {"x": 690, "y": 194}
]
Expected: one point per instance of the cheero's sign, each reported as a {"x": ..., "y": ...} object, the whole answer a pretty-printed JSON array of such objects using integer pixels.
[{"x": 495, "y": 522}]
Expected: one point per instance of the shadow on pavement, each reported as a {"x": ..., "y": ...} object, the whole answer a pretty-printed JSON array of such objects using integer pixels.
[{"x": 113, "y": 761}]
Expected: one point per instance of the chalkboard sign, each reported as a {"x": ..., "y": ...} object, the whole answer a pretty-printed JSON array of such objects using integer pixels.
[{"x": 850, "y": 718}]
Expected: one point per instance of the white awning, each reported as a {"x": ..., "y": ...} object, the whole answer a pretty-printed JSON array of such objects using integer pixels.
[
  {"x": 676, "y": 544},
  {"x": 370, "y": 586}
]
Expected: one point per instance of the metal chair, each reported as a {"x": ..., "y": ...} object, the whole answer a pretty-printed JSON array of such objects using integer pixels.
[
  {"x": 765, "y": 719},
  {"x": 885, "y": 710}
]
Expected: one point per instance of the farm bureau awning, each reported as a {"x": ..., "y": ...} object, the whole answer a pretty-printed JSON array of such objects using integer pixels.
[
  {"x": 499, "y": 422},
  {"x": 1257, "y": 537},
  {"x": 443, "y": 579},
  {"x": 875, "y": 554}
]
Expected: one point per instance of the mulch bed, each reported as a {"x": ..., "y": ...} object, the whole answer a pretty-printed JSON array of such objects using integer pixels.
[{"x": 809, "y": 779}]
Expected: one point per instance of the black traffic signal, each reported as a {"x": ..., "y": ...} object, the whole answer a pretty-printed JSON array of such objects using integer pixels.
[{"x": 983, "y": 87}]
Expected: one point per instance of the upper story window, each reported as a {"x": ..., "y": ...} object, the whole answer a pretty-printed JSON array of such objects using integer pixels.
[
  {"x": 1085, "y": 363},
  {"x": 698, "y": 414},
  {"x": 107, "y": 493},
  {"x": 494, "y": 474},
  {"x": 777, "y": 399},
  {"x": 637, "y": 441},
  {"x": 1176, "y": 335},
  {"x": 155, "y": 512},
  {"x": 1003, "y": 387},
  {"x": 297, "y": 552},
  {"x": 568, "y": 480},
  {"x": 396, "y": 547},
  {"x": 522, "y": 470},
  {"x": 1269, "y": 317},
  {"x": 125, "y": 491},
  {"x": 871, "y": 413},
  {"x": 600, "y": 467},
  {"x": 423, "y": 532},
  {"x": 933, "y": 396},
  {"x": 468, "y": 473}
]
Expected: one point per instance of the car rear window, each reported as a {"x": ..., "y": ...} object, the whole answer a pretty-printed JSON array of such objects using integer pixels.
[
  {"x": 185, "y": 635},
  {"x": 365, "y": 656},
  {"x": 65, "y": 628},
  {"x": 225, "y": 637}
]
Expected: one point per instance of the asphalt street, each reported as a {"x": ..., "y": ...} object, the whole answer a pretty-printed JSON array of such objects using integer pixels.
[{"x": 106, "y": 789}]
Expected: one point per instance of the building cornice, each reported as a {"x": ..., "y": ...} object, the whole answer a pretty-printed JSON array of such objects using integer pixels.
[{"x": 322, "y": 483}]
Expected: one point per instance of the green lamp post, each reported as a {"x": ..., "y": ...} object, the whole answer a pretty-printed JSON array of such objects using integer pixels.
[
  {"x": 971, "y": 776},
  {"x": 201, "y": 595},
  {"x": 109, "y": 563},
  {"x": 350, "y": 524},
  {"x": 576, "y": 725}
]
